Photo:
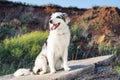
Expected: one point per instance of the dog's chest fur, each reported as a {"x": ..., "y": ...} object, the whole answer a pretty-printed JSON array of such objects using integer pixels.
[{"x": 59, "y": 40}]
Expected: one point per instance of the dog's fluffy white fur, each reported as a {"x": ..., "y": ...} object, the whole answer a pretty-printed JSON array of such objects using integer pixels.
[
  {"x": 41, "y": 62},
  {"x": 22, "y": 72},
  {"x": 56, "y": 48},
  {"x": 54, "y": 53},
  {"x": 58, "y": 41}
]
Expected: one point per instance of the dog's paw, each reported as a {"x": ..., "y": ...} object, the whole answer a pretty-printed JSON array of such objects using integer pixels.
[
  {"x": 68, "y": 69},
  {"x": 35, "y": 70},
  {"x": 42, "y": 72},
  {"x": 52, "y": 72}
]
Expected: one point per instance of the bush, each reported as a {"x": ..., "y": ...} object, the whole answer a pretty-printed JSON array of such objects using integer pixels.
[
  {"x": 6, "y": 32},
  {"x": 20, "y": 51},
  {"x": 78, "y": 36},
  {"x": 25, "y": 18},
  {"x": 95, "y": 7},
  {"x": 117, "y": 68},
  {"x": 105, "y": 50}
]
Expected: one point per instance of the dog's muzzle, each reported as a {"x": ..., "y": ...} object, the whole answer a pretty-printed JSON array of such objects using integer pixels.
[{"x": 54, "y": 26}]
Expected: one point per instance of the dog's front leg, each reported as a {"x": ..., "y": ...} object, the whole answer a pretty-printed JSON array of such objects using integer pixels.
[
  {"x": 65, "y": 59},
  {"x": 50, "y": 57},
  {"x": 35, "y": 69}
]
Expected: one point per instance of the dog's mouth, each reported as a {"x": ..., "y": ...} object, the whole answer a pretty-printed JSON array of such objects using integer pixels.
[{"x": 55, "y": 26}]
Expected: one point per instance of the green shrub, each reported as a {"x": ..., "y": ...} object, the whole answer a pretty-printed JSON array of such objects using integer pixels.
[
  {"x": 6, "y": 68},
  {"x": 25, "y": 18},
  {"x": 95, "y": 7},
  {"x": 20, "y": 51},
  {"x": 77, "y": 33},
  {"x": 6, "y": 32},
  {"x": 75, "y": 50},
  {"x": 105, "y": 50},
  {"x": 117, "y": 68}
]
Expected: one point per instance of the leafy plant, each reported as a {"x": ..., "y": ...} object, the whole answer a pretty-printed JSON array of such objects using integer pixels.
[
  {"x": 104, "y": 50},
  {"x": 77, "y": 37},
  {"x": 6, "y": 32},
  {"x": 117, "y": 68},
  {"x": 25, "y": 18},
  {"x": 95, "y": 7}
]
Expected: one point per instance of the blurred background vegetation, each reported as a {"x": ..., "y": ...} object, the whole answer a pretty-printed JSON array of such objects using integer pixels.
[{"x": 24, "y": 29}]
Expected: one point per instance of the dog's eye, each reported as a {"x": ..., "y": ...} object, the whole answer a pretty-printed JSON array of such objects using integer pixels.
[{"x": 58, "y": 17}]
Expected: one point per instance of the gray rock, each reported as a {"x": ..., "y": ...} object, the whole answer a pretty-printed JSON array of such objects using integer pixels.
[{"x": 97, "y": 68}]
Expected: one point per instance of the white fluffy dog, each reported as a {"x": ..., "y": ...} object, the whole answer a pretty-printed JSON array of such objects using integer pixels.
[
  {"x": 58, "y": 41},
  {"x": 54, "y": 52}
]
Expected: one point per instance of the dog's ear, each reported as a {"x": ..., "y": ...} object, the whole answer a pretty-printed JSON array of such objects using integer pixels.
[{"x": 67, "y": 19}]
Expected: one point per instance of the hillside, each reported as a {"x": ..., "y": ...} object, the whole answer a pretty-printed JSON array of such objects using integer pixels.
[
  {"x": 94, "y": 31},
  {"x": 26, "y": 18},
  {"x": 36, "y": 16}
]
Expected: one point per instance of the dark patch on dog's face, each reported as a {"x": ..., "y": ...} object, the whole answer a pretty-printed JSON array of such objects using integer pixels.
[{"x": 61, "y": 17}]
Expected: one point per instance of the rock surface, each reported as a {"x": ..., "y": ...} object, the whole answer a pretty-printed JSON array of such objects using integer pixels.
[{"x": 97, "y": 68}]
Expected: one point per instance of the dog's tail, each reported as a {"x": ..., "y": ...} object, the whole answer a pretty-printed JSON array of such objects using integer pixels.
[{"x": 23, "y": 72}]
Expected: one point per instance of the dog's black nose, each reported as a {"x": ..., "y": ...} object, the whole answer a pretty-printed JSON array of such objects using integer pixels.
[{"x": 51, "y": 21}]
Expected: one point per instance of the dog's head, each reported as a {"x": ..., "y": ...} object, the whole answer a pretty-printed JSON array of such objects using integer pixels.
[{"x": 57, "y": 19}]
